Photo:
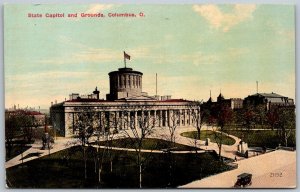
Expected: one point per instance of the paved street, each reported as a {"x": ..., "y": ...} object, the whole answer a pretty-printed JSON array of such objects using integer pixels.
[{"x": 271, "y": 170}]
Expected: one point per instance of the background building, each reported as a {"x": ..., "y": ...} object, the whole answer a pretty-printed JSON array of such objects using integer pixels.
[
  {"x": 269, "y": 100},
  {"x": 232, "y": 103}
]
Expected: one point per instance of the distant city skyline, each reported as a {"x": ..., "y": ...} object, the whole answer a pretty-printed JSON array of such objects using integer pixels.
[{"x": 192, "y": 48}]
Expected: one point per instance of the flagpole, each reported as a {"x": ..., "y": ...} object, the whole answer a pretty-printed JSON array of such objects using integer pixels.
[
  {"x": 124, "y": 59},
  {"x": 156, "y": 86}
]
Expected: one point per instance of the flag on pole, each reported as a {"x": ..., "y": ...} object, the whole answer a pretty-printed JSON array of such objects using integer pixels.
[{"x": 126, "y": 56}]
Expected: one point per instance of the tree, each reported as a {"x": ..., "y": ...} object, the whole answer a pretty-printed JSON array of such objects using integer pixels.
[
  {"x": 28, "y": 125},
  {"x": 85, "y": 127},
  {"x": 272, "y": 118},
  {"x": 17, "y": 122},
  {"x": 224, "y": 117},
  {"x": 249, "y": 117},
  {"x": 286, "y": 123},
  {"x": 174, "y": 120},
  {"x": 199, "y": 118},
  {"x": 260, "y": 111},
  {"x": 139, "y": 130},
  {"x": 172, "y": 126},
  {"x": 12, "y": 127}
]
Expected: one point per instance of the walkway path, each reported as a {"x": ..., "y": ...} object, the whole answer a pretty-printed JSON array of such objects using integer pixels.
[
  {"x": 60, "y": 144},
  {"x": 263, "y": 169},
  {"x": 147, "y": 150},
  {"x": 159, "y": 133},
  {"x": 227, "y": 150}
]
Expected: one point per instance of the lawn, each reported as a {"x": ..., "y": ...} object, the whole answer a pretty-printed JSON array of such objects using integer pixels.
[
  {"x": 261, "y": 138},
  {"x": 65, "y": 169},
  {"x": 209, "y": 134},
  {"x": 149, "y": 143}
]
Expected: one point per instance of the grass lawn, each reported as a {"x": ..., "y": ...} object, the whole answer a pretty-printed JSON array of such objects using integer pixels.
[
  {"x": 261, "y": 138},
  {"x": 149, "y": 143},
  {"x": 65, "y": 169},
  {"x": 209, "y": 134}
]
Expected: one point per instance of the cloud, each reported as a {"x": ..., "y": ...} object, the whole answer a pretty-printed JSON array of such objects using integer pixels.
[
  {"x": 89, "y": 54},
  {"x": 225, "y": 21},
  {"x": 199, "y": 58},
  {"x": 196, "y": 58},
  {"x": 96, "y": 8},
  {"x": 35, "y": 89}
]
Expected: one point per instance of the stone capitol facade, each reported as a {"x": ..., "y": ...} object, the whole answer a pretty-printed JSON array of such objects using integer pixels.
[{"x": 124, "y": 106}]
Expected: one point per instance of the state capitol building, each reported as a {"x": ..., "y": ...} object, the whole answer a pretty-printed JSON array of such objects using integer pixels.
[{"x": 124, "y": 105}]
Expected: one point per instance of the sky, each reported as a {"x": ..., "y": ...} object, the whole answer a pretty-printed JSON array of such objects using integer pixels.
[{"x": 194, "y": 49}]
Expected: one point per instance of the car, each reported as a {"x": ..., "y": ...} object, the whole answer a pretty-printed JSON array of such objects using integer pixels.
[{"x": 243, "y": 180}]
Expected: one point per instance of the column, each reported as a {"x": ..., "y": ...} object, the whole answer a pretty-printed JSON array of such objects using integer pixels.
[
  {"x": 148, "y": 118},
  {"x": 172, "y": 118},
  {"x": 179, "y": 117},
  {"x": 122, "y": 120},
  {"x": 135, "y": 119},
  {"x": 154, "y": 119},
  {"x": 108, "y": 120},
  {"x": 73, "y": 125},
  {"x": 100, "y": 121},
  {"x": 169, "y": 117},
  {"x": 133, "y": 81},
  {"x": 166, "y": 118},
  {"x": 190, "y": 116},
  {"x": 160, "y": 118},
  {"x": 184, "y": 117},
  {"x": 128, "y": 119},
  {"x": 116, "y": 119}
]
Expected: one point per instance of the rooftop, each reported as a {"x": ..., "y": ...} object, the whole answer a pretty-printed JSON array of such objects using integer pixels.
[{"x": 268, "y": 95}]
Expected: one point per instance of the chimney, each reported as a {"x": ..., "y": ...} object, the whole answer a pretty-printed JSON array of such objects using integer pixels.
[{"x": 96, "y": 92}]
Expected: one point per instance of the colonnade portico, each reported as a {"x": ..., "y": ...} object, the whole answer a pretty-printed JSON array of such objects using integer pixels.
[{"x": 112, "y": 115}]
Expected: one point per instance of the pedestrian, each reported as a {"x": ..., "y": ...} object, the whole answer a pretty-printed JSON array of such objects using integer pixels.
[{"x": 235, "y": 159}]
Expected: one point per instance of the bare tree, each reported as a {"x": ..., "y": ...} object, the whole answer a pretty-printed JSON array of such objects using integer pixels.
[
  {"x": 199, "y": 116},
  {"x": 224, "y": 117},
  {"x": 249, "y": 117},
  {"x": 139, "y": 129},
  {"x": 12, "y": 127},
  {"x": 85, "y": 127},
  {"x": 286, "y": 123},
  {"x": 261, "y": 113},
  {"x": 107, "y": 129},
  {"x": 174, "y": 119},
  {"x": 273, "y": 118}
]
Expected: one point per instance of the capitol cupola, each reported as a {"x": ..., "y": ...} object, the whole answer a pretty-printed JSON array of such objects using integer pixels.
[{"x": 124, "y": 83}]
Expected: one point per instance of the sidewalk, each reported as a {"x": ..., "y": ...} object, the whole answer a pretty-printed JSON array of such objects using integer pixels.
[
  {"x": 226, "y": 151},
  {"x": 159, "y": 133},
  {"x": 60, "y": 144},
  {"x": 261, "y": 167}
]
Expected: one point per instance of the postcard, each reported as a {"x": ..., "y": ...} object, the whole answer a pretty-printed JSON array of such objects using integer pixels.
[{"x": 149, "y": 96}]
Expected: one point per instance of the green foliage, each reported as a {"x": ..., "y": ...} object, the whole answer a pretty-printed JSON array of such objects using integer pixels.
[
  {"x": 261, "y": 138},
  {"x": 209, "y": 134}
]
